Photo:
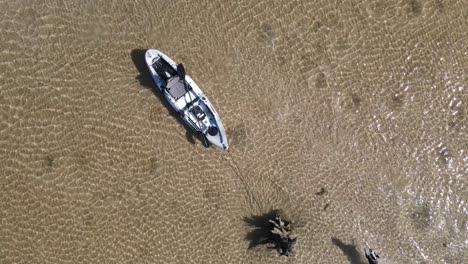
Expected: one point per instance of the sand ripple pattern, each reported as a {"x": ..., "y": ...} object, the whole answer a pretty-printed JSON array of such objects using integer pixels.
[{"x": 366, "y": 99}]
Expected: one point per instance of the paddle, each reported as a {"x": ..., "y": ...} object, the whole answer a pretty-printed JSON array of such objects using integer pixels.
[
  {"x": 181, "y": 74},
  {"x": 181, "y": 71}
]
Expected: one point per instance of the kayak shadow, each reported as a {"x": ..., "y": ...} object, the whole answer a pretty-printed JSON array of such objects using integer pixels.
[{"x": 145, "y": 80}]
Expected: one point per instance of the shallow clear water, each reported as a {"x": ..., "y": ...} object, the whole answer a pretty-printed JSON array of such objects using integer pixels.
[{"x": 366, "y": 99}]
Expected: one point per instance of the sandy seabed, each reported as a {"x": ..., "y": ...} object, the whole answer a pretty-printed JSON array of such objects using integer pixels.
[{"x": 350, "y": 117}]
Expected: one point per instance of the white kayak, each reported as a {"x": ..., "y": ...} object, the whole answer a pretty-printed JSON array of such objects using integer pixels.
[{"x": 187, "y": 99}]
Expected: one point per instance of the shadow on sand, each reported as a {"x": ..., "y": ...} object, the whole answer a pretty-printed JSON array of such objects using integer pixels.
[
  {"x": 260, "y": 235},
  {"x": 145, "y": 80},
  {"x": 349, "y": 250},
  {"x": 270, "y": 229}
]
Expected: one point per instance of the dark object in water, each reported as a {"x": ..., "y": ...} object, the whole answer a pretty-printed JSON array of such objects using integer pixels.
[
  {"x": 281, "y": 238},
  {"x": 371, "y": 255},
  {"x": 321, "y": 192},
  {"x": 272, "y": 230}
]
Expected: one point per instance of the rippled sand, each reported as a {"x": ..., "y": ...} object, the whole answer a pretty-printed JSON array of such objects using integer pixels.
[{"x": 366, "y": 99}]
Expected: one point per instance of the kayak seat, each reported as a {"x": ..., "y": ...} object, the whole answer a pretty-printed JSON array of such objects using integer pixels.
[{"x": 176, "y": 87}]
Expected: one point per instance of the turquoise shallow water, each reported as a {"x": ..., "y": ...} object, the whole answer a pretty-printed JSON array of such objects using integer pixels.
[{"x": 365, "y": 99}]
